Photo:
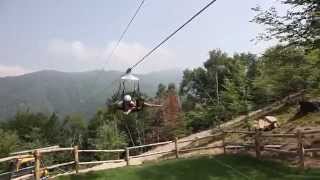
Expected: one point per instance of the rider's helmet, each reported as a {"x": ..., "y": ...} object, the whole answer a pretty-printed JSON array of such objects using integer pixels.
[{"x": 127, "y": 98}]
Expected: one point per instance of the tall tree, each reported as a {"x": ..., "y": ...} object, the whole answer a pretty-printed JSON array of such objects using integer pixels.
[
  {"x": 9, "y": 142},
  {"x": 299, "y": 26}
]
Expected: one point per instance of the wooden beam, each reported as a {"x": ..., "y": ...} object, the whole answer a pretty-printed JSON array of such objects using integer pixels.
[
  {"x": 279, "y": 135},
  {"x": 311, "y": 131},
  {"x": 37, "y": 171},
  {"x": 102, "y": 162},
  {"x": 56, "y": 150},
  {"x": 106, "y": 151},
  {"x": 176, "y": 145},
  {"x": 14, "y": 157},
  {"x": 60, "y": 165},
  {"x": 76, "y": 158},
  {"x": 32, "y": 150},
  {"x": 151, "y": 154},
  {"x": 312, "y": 150},
  {"x": 279, "y": 151},
  {"x": 200, "y": 148},
  {"x": 149, "y": 145},
  {"x": 128, "y": 156},
  {"x": 257, "y": 143},
  {"x": 300, "y": 149},
  {"x": 239, "y": 132}
]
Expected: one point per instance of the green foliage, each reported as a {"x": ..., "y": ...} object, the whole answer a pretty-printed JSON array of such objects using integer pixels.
[
  {"x": 223, "y": 88},
  {"x": 73, "y": 130},
  {"x": 300, "y": 26},
  {"x": 108, "y": 137},
  {"x": 284, "y": 71},
  {"x": 9, "y": 142},
  {"x": 161, "y": 90}
]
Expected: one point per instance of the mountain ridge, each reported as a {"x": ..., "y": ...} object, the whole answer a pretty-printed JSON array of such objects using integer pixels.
[{"x": 65, "y": 93}]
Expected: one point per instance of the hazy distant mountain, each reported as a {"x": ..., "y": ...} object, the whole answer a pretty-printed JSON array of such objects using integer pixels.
[{"x": 65, "y": 93}]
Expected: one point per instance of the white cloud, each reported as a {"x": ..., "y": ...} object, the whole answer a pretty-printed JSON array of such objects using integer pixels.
[
  {"x": 12, "y": 71},
  {"x": 75, "y": 49},
  {"x": 98, "y": 57}
]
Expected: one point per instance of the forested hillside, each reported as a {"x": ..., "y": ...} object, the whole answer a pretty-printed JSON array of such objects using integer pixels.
[
  {"x": 66, "y": 93},
  {"x": 46, "y": 106}
]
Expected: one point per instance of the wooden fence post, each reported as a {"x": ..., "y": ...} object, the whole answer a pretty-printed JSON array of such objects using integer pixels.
[
  {"x": 196, "y": 144},
  {"x": 76, "y": 158},
  {"x": 127, "y": 156},
  {"x": 37, "y": 165},
  {"x": 258, "y": 144},
  {"x": 224, "y": 143},
  {"x": 176, "y": 145},
  {"x": 300, "y": 149}
]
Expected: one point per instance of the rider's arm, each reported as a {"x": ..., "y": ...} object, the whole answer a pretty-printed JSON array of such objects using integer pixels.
[{"x": 152, "y": 105}]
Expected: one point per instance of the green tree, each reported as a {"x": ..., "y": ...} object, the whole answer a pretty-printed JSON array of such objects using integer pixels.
[
  {"x": 73, "y": 130},
  {"x": 109, "y": 137},
  {"x": 282, "y": 71},
  {"x": 223, "y": 88},
  {"x": 9, "y": 142},
  {"x": 299, "y": 26},
  {"x": 161, "y": 90}
]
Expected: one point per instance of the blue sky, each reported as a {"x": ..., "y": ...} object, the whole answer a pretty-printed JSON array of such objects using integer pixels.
[{"x": 77, "y": 35}]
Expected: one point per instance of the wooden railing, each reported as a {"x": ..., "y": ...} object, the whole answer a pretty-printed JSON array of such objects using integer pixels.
[{"x": 174, "y": 151}]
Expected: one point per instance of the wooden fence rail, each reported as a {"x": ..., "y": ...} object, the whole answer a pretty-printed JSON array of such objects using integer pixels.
[{"x": 258, "y": 147}]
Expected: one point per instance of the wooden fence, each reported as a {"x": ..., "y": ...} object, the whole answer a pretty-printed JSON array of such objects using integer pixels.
[{"x": 176, "y": 151}]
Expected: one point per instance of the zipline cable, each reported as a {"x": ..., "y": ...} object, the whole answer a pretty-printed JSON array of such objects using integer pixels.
[
  {"x": 124, "y": 32},
  {"x": 120, "y": 39},
  {"x": 126, "y": 29},
  {"x": 129, "y": 70},
  {"x": 169, "y": 37}
]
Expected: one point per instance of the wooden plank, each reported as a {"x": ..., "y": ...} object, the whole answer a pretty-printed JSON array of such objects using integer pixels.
[
  {"x": 184, "y": 141},
  {"x": 209, "y": 136},
  {"x": 239, "y": 132},
  {"x": 311, "y": 131},
  {"x": 151, "y": 154},
  {"x": 24, "y": 177},
  {"x": 149, "y": 145},
  {"x": 14, "y": 157},
  {"x": 176, "y": 146},
  {"x": 279, "y": 151},
  {"x": 76, "y": 158},
  {"x": 106, "y": 151},
  {"x": 272, "y": 146},
  {"x": 224, "y": 143},
  {"x": 5, "y": 173},
  {"x": 236, "y": 146},
  {"x": 32, "y": 150},
  {"x": 279, "y": 135},
  {"x": 300, "y": 149},
  {"x": 128, "y": 156},
  {"x": 200, "y": 148},
  {"x": 257, "y": 142},
  {"x": 37, "y": 161},
  {"x": 312, "y": 150},
  {"x": 102, "y": 162},
  {"x": 60, "y": 165},
  {"x": 56, "y": 150}
]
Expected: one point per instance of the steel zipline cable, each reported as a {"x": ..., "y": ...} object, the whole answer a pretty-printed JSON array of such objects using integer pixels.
[
  {"x": 129, "y": 70},
  {"x": 169, "y": 37},
  {"x": 120, "y": 39},
  {"x": 124, "y": 32}
]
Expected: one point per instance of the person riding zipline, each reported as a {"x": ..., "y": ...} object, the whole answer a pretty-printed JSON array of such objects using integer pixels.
[
  {"x": 128, "y": 97},
  {"x": 128, "y": 104}
]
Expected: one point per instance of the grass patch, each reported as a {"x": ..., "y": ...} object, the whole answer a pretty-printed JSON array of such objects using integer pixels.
[{"x": 231, "y": 167}]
